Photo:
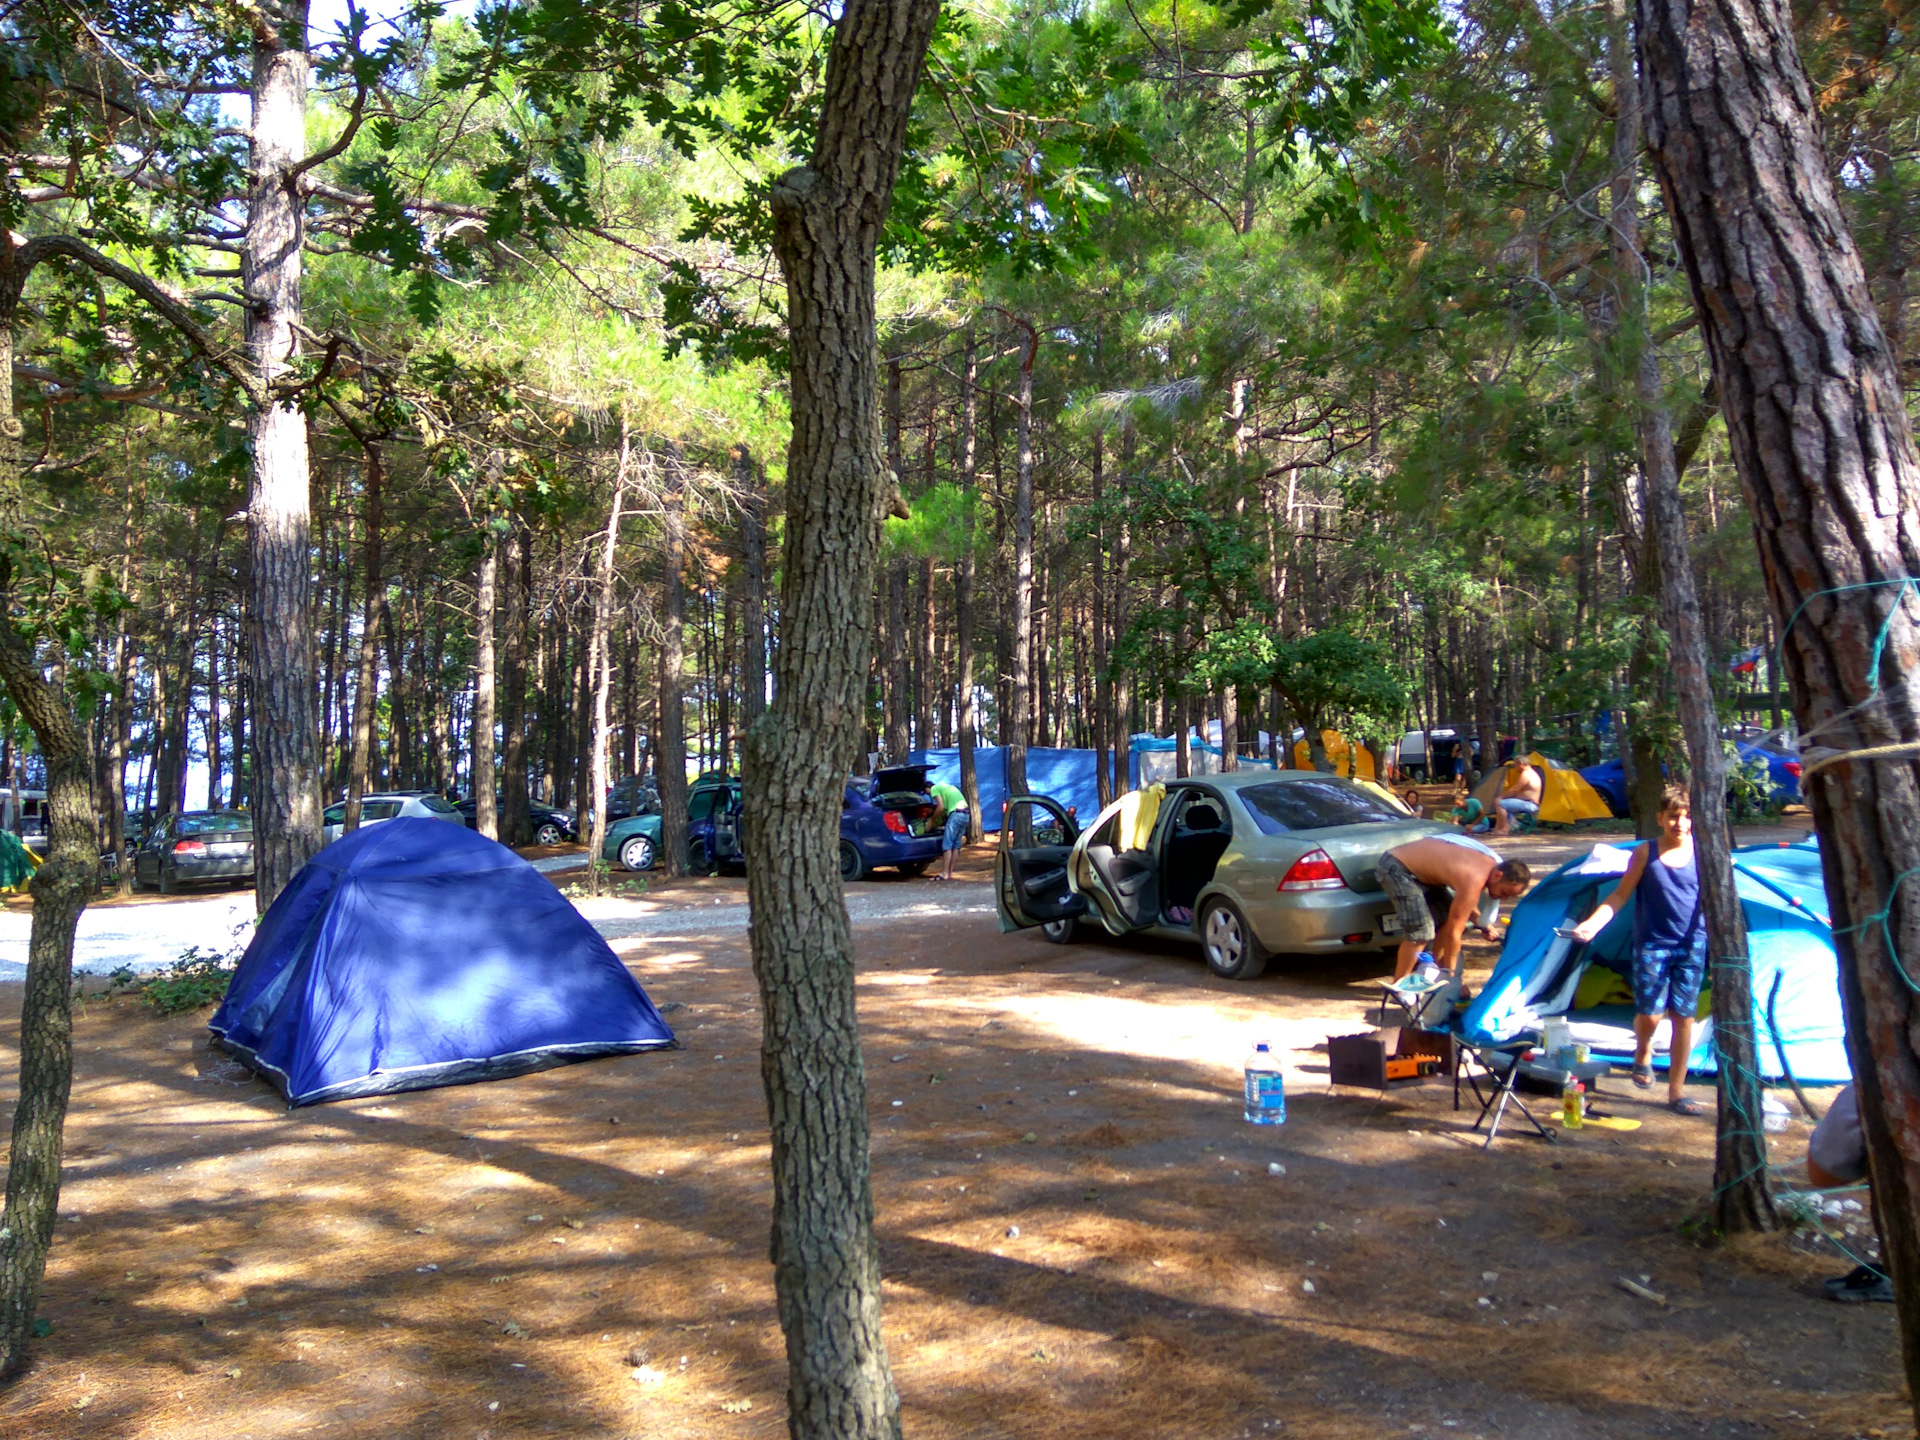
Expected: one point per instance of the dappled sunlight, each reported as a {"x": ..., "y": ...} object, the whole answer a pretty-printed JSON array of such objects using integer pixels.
[{"x": 1080, "y": 1237}]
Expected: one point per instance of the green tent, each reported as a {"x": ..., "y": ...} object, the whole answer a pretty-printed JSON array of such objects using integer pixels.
[{"x": 17, "y": 863}]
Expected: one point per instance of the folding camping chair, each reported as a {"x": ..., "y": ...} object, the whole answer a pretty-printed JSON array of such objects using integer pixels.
[{"x": 1502, "y": 1065}]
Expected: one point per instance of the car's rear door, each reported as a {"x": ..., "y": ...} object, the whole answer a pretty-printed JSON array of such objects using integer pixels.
[{"x": 1030, "y": 867}]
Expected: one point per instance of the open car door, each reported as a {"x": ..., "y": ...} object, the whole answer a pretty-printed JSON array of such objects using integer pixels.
[
  {"x": 1030, "y": 868},
  {"x": 1115, "y": 870}
]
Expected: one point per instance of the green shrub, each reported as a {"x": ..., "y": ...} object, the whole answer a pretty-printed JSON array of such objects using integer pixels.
[{"x": 199, "y": 977}]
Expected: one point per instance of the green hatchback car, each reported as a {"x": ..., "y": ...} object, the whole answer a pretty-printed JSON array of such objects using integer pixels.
[
  {"x": 633, "y": 843},
  {"x": 1251, "y": 864}
]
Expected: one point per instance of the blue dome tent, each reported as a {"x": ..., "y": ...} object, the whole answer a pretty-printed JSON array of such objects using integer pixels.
[
  {"x": 415, "y": 953},
  {"x": 1796, "y": 983}
]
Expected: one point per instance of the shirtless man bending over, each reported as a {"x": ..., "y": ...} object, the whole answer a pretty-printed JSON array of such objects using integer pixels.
[{"x": 1463, "y": 864}]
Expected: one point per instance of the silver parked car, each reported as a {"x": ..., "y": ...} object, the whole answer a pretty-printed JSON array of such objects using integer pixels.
[
  {"x": 392, "y": 805},
  {"x": 1250, "y": 864}
]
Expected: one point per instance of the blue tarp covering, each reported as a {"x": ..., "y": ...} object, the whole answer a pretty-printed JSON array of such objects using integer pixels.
[
  {"x": 1784, "y": 896},
  {"x": 1068, "y": 776},
  {"x": 416, "y": 953}
]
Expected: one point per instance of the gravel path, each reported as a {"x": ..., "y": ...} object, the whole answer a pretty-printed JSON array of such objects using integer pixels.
[
  {"x": 150, "y": 937},
  {"x": 146, "y": 938}
]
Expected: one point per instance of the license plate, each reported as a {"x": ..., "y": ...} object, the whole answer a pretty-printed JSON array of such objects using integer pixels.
[{"x": 1389, "y": 924}]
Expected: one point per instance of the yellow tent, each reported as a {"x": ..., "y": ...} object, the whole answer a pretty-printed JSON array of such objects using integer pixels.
[
  {"x": 1337, "y": 752},
  {"x": 1565, "y": 797}
]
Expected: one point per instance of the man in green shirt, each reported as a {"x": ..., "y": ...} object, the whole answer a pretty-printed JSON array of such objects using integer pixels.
[{"x": 953, "y": 815}]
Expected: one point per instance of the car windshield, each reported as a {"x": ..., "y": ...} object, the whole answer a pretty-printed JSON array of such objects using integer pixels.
[
  {"x": 216, "y": 825},
  {"x": 1313, "y": 805}
]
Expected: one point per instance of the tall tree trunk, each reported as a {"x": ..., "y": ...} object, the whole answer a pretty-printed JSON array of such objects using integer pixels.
[
  {"x": 1741, "y": 1198},
  {"x": 1102, "y": 681},
  {"x": 753, "y": 600},
  {"x": 1821, "y": 439},
  {"x": 923, "y": 668},
  {"x": 1020, "y": 682},
  {"x": 898, "y": 701},
  {"x": 116, "y": 787},
  {"x": 60, "y": 889},
  {"x": 286, "y": 729},
  {"x": 516, "y": 824},
  {"x": 372, "y": 604},
  {"x": 963, "y": 600},
  {"x": 670, "y": 739},
  {"x": 827, "y": 218},
  {"x": 601, "y": 661},
  {"x": 485, "y": 603}
]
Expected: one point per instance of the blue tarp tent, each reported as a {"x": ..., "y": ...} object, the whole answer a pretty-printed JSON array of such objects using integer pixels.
[
  {"x": 1068, "y": 776},
  {"x": 1796, "y": 985},
  {"x": 990, "y": 773},
  {"x": 415, "y": 953}
]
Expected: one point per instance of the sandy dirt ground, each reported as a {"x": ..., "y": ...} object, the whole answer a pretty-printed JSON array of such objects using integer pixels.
[{"x": 1081, "y": 1235}]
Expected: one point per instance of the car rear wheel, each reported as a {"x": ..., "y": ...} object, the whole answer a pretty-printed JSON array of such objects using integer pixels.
[
  {"x": 700, "y": 858},
  {"x": 168, "y": 885},
  {"x": 853, "y": 865},
  {"x": 1232, "y": 951},
  {"x": 1063, "y": 931},
  {"x": 548, "y": 834},
  {"x": 636, "y": 853}
]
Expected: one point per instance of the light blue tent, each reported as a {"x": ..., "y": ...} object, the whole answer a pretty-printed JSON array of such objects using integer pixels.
[{"x": 1796, "y": 985}]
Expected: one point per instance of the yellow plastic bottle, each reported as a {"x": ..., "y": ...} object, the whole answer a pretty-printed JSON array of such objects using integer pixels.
[{"x": 1572, "y": 1102}]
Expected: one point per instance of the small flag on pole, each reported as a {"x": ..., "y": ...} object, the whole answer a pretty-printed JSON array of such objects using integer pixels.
[{"x": 1747, "y": 661}]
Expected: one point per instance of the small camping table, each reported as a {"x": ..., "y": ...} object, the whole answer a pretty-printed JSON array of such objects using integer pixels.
[{"x": 1505, "y": 1067}]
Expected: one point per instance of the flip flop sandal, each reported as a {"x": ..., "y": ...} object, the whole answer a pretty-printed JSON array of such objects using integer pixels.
[
  {"x": 1685, "y": 1105},
  {"x": 1643, "y": 1076}
]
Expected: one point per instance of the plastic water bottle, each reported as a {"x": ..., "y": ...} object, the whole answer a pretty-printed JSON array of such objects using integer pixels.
[{"x": 1266, "y": 1100}]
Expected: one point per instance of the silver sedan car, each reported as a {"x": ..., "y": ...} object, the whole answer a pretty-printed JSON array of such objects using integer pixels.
[{"x": 1250, "y": 864}]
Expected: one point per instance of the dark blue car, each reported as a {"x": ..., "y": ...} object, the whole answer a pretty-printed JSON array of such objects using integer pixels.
[{"x": 886, "y": 819}]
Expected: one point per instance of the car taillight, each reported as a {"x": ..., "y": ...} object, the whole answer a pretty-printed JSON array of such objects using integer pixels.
[
  {"x": 896, "y": 822},
  {"x": 1314, "y": 870},
  {"x": 190, "y": 847},
  {"x": 1792, "y": 767}
]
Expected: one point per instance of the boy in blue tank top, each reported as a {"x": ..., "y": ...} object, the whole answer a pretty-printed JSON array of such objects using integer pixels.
[{"x": 1669, "y": 943}]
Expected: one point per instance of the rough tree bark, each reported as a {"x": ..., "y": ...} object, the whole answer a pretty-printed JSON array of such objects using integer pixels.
[
  {"x": 286, "y": 731},
  {"x": 1826, "y": 456},
  {"x": 1741, "y": 1200},
  {"x": 60, "y": 889},
  {"x": 827, "y": 218},
  {"x": 670, "y": 739}
]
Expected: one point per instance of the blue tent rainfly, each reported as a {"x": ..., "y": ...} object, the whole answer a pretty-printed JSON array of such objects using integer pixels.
[
  {"x": 1796, "y": 981},
  {"x": 412, "y": 954}
]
